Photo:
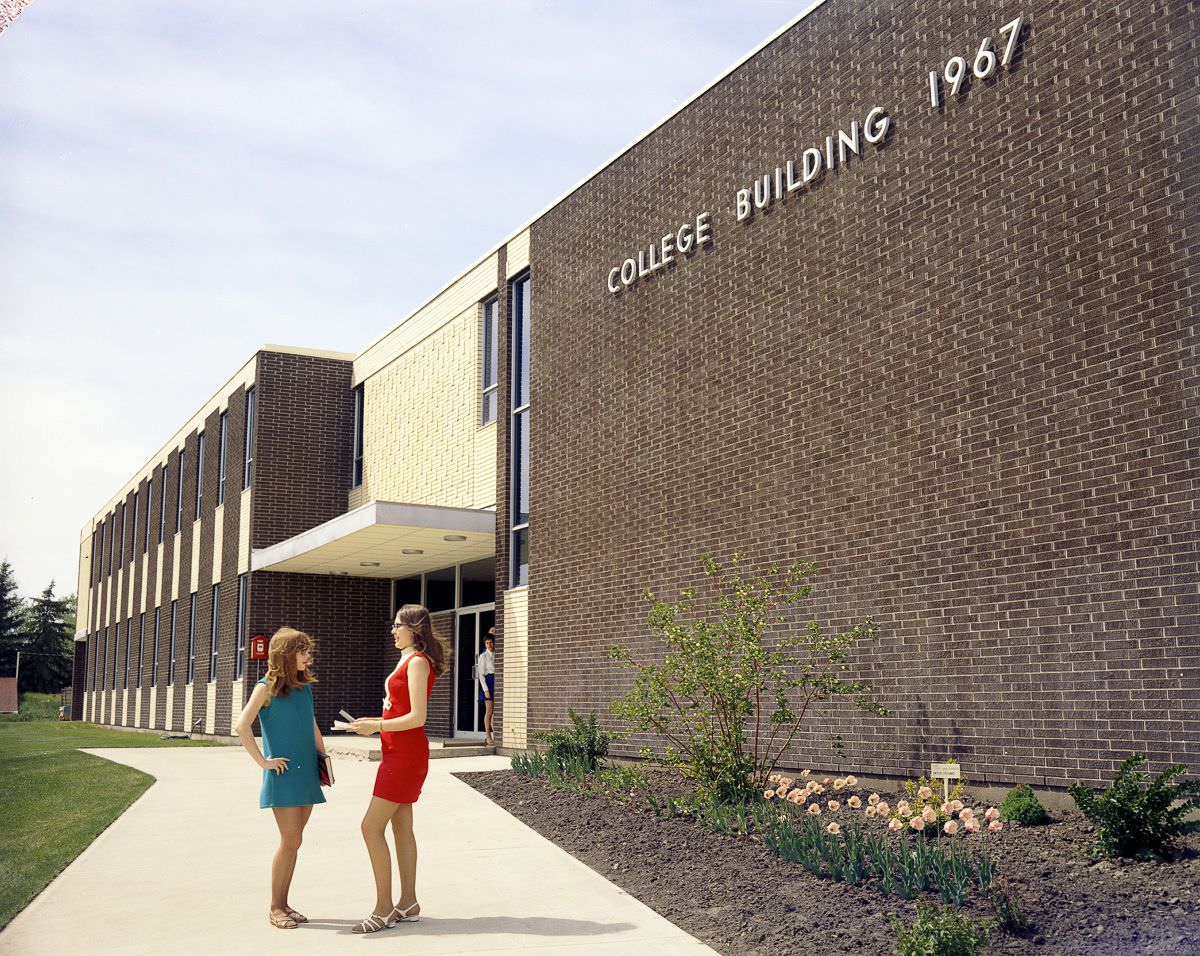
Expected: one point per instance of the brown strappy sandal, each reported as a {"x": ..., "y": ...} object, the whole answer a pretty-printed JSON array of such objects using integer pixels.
[
  {"x": 281, "y": 920},
  {"x": 298, "y": 917}
]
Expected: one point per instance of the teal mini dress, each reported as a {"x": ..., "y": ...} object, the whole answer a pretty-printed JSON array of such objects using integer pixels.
[{"x": 287, "y": 731}]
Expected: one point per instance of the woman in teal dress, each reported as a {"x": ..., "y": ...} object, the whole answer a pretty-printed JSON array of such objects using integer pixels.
[{"x": 282, "y": 702}]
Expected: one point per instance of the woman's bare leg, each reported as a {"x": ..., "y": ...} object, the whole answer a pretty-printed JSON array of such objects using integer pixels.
[
  {"x": 406, "y": 855},
  {"x": 374, "y": 825},
  {"x": 489, "y": 706},
  {"x": 291, "y": 821}
]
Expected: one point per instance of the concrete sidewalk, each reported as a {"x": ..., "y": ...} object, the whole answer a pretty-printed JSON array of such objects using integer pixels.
[{"x": 186, "y": 869}]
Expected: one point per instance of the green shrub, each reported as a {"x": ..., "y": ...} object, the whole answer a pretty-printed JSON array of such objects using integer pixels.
[
  {"x": 1022, "y": 806},
  {"x": 1136, "y": 822},
  {"x": 581, "y": 744},
  {"x": 940, "y": 932},
  {"x": 733, "y": 677}
]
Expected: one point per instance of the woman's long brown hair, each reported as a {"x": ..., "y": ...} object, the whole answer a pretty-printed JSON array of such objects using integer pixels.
[
  {"x": 282, "y": 675},
  {"x": 424, "y": 640}
]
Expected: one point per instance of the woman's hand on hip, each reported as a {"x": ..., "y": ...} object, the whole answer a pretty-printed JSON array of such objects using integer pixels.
[{"x": 277, "y": 765}]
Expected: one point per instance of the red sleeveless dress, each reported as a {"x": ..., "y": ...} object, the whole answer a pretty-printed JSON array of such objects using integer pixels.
[{"x": 405, "y": 761}]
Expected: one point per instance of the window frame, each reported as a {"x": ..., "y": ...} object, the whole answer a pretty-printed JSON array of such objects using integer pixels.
[
  {"x": 489, "y": 376},
  {"x": 243, "y": 595},
  {"x": 173, "y": 644},
  {"x": 199, "y": 473},
  {"x": 520, "y": 303},
  {"x": 356, "y": 456},
  {"x": 214, "y": 632},
  {"x": 182, "y": 467},
  {"x": 248, "y": 461},
  {"x": 222, "y": 449}
]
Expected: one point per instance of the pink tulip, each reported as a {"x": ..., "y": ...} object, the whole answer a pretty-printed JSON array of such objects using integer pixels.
[
  {"x": 834, "y": 806},
  {"x": 827, "y": 781},
  {"x": 971, "y": 825},
  {"x": 895, "y": 824},
  {"x": 883, "y": 808},
  {"x": 833, "y": 828},
  {"x": 852, "y": 781},
  {"x": 950, "y": 827},
  {"x": 966, "y": 813},
  {"x": 929, "y": 815},
  {"x": 947, "y": 808},
  {"x": 769, "y": 794},
  {"x": 839, "y": 783},
  {"x": 814, "y": 809},
  {"x": 995, "y": 826},
  {"x": 957, "y": 804},
  {"x": 924, "y": 793},
  {"x": 917, "y": 824},
  {"x": 870, "y": 811},
  {"x": 992, "y": 814},
  {"x": 855, "y": 802},
  {"x": 787, "y": 782},
  {"x": 873, "y": 799}
]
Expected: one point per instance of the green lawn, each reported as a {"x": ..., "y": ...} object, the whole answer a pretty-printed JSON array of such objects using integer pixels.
[
  {"x": 35, "y": 707},
  {"x": 54, "y": 800}
]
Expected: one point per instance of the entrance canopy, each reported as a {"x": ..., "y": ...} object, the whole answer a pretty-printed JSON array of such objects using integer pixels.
[{"x": 384, "y": 539}]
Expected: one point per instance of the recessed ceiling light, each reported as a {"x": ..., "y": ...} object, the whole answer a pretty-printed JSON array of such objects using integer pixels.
[
  {"x": 368, "y": 564},
  {"x": 412, "y": 551},
  {"x": 454, "y": 537}
]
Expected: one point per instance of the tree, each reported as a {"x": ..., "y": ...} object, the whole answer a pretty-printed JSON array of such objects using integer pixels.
[
  {"x": 12, "y": 617},
  {"x": 47, "y": 657}
]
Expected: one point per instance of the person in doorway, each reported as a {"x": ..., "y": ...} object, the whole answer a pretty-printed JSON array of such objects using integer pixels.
[
  {"x": 282, "y": 701},
  {"x": 404, "y": 766},
  {"x": 485, "y": 669}
]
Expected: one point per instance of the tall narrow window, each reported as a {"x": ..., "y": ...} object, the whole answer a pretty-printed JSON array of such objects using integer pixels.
[
  {"x": 133, "y": 526},
  {"x": 112, "y": 543},
  {"x": 124, "y": 527},
  {"x": 179, "y": 491},
  {"x": 154, "y": 660},
  {"x": 149, "y": 510},
  {"x": 116, "y": 652},
  {"x": 519, "y": 437},
  {"x": 97, "y": 558},
  {"x": 104, "y": 668},
  {"x": 128, "y": 649},
  {"x": 191, "y": 670},
  {"x": 248, "y": 467},
  {"x": 356, "y": 467},
  {"x": 141, "y": 646},
  {"x": 162, "y": 503},
  {"x": 216, "y": 630},
  {"x": 241, "y": 628},
  {"x": 221, "y": 445},
  {"x": 171, "y": 646},
  {"x": 491, "y": 352},
  {"x": 199, "y": 473}
]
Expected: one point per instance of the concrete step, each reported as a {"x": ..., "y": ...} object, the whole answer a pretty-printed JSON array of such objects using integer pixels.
[{"x": 355, "y": 750}]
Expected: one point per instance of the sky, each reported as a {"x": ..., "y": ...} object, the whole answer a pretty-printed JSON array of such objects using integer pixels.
[{"x": 182, "y": 183}]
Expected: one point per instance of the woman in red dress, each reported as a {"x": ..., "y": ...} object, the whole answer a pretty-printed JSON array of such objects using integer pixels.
[{"x": 404, "y": 766}]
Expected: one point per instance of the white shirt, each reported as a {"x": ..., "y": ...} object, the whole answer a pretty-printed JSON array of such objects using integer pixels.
[{"x": 486, "y": 664}]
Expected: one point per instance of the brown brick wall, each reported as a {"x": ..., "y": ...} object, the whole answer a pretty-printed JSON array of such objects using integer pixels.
[
  {"x": 348, "y": 617},
  {"x": 956, "y": 374}
]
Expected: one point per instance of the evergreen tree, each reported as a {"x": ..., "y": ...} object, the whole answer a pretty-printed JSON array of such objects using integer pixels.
[
  {"x": 12, "y": 619},
  {"x": 47, "y": 657}
]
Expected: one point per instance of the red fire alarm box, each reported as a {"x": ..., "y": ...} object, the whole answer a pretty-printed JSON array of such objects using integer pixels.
[{"x": 258, "y": 648}]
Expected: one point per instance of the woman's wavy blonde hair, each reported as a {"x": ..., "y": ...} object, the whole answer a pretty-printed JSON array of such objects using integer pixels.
[{"x": 282, "y": 675}]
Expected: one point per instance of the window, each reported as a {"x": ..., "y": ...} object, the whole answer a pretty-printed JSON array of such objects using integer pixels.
[
  {"x": 216, "y": 629},
  {"x": 162, "y": 504},
  {"x": 96, "y": 557},
  {"x": 149, "y": 502},
  {"x": 199, "y": 473},
  {"x": 491, "y": 349},
  {"x": 356, "y": 473},
  {"x": 121, "y": 543},
  {"x": 112, "y": 542},
  {"x": 191, "y": 672},
  {"x": 241, "y": 628},
  {"x": 171, "y": 646},
  {"x": 104, "y": 663},
  {"x": 248, "y": 467},
  {"x": 128, "y": 649},
  {"x": 141, "y": 647},
  {"x": 154, "y": 662},
  {"x": 133, "y": 528},
  {"x": 221, "y": 444},
  {"x": 519, "y": 437},
  {"x": 179, "y": 491},
  {"x": 116, "y": 652}
]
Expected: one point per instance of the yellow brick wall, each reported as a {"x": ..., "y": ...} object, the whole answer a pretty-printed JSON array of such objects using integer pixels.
[
  {"x": 514, "y": 675},
  {"x": 422, "y": 443}
]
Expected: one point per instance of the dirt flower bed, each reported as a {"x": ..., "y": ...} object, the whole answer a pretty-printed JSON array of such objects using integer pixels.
[{"x": 737, "y": 896}]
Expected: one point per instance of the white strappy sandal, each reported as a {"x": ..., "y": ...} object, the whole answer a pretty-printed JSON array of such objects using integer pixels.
[
  {"x": 398, "y": 915},
  {"x": 373, "y": 924}
]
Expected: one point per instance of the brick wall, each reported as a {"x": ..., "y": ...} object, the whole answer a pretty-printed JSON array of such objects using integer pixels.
[
  {"x": 348, "y": 618},
  {"x": 955, "y": 373}
]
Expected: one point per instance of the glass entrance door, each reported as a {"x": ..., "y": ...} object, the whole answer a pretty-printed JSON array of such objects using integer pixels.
[{"x": 473, "y": 625}]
